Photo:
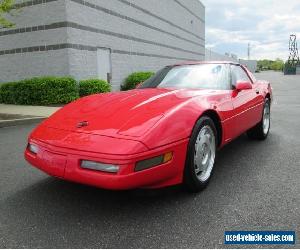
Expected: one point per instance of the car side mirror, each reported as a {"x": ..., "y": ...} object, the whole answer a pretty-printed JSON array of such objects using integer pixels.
[{"x": 243, "y": 85}]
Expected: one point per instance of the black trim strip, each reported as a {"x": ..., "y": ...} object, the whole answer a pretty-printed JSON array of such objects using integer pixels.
[
  {"x": 160, "y": 18},
  {"x": 132, "y": 38},
  {"x": 150, "y": 55},
  {"x": 82, "y": 47},
  {"x": 34, "y": 28},
  {"x": 31, "y": 3},
  {"x": 47, "y": 48},
  {"x": 191, "y": 12},
  {"x": 94, "y": 30}
]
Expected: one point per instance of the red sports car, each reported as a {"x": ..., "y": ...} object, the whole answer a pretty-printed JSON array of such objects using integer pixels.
[{"x": 163, "y": 133}]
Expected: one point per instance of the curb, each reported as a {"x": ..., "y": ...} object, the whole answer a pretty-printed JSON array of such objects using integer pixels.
[{"x": 15, "y": 122}]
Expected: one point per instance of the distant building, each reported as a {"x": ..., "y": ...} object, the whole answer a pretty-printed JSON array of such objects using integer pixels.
[
  {"x": 214, "y": 56},
  {"x": 234, "y": 56},
  {"x": 250, "y": 64},
  {"x": 105, "y": 39}
]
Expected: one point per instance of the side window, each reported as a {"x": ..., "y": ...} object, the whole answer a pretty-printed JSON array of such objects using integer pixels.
[{"x": 238, "y": 74}]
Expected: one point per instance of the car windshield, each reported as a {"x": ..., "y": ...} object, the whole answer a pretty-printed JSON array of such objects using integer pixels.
[{"x": 200, "y": 76}]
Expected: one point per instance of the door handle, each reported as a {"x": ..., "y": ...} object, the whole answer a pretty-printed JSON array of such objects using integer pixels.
[{"x": 257, "y": 91}]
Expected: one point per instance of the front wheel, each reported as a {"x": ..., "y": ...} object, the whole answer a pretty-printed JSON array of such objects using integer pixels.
[
  {"x": 261, "y": 130},
  {"x": 200, "y": 155}
]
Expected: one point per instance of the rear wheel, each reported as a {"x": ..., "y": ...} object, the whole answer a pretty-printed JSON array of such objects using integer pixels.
[
  {"x": 201, "y": 155},
  {"x": 261, "y": 130}
]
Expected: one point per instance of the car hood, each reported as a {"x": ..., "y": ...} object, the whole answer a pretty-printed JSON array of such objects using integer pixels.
[{"x": 131, "y": 113}]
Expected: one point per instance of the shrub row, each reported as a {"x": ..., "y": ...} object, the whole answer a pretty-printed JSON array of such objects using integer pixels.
[
  {"x": 51, "y": 90},
  {"x": 135, "y": 78},
  {"x": 93, "y": 86},
  {"x": 39, "y": 91}
]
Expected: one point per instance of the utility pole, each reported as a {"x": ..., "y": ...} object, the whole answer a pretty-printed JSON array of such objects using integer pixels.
[{"x": 248, "y": 51}]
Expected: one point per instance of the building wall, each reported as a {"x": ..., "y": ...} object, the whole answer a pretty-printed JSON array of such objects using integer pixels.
[
  {"x": 26, "y": 50},
  {"x": 65, "y": 35},
  {"x": 142, "y": 35}
]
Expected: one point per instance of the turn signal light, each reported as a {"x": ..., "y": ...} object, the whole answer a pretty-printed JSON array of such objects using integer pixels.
[
  {"x": 153, "y": 162},
  {"x": 168, "y": 157}
]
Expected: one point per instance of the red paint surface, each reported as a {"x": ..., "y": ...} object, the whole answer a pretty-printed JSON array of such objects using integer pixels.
[{"x": 125, "y": 127}]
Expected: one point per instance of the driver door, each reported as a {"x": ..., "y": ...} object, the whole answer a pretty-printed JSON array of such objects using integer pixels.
[{"x": 247, "y": 104}]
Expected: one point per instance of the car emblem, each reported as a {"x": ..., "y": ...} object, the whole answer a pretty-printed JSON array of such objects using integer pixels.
[{"x": 82, "y": 124}]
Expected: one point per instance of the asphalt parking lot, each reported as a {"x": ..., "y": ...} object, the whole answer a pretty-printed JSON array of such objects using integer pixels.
[{"x": 256, "y": 186}]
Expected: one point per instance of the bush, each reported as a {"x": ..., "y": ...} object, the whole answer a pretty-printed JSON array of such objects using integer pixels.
[
  {"x": 135, "y": 78},
  {"x": 7, "y": 92},
  {"x": 93, "y": 86},
  {"x": 40, "y": 91}
]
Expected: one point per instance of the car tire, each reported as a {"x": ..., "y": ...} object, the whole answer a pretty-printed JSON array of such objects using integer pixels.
[
  {"x": 201, "y": 155},
  {"x": 261, "y": 130}
]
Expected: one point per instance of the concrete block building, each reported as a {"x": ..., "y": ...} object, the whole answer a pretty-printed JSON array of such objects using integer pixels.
[{"x": 106, "y": 39}]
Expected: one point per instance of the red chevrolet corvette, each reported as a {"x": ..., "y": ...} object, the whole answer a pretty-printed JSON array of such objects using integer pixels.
[{"x": 163, "y": 133}]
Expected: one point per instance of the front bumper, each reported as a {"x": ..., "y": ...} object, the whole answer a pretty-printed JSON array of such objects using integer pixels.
[{"x": 65, "y": 164}]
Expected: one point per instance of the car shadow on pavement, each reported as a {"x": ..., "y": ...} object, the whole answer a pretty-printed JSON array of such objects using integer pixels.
[
  {"x": 232, "y": 154},
  {"x": 53, "y": 205},
  {"x": 55, "y": 192}
]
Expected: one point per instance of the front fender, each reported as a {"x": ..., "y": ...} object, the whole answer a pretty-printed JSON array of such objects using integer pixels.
[{"x": 176, "y": 124}]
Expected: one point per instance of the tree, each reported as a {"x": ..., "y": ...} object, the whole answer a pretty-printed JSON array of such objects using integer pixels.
[
  {"x": 277, "y": 65},
  {"x": 265, "y": 64},
  {"x": 6, "y": 7}
]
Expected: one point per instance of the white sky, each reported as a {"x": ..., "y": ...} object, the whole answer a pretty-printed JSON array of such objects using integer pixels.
[{"x": 265, "y": 24}]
